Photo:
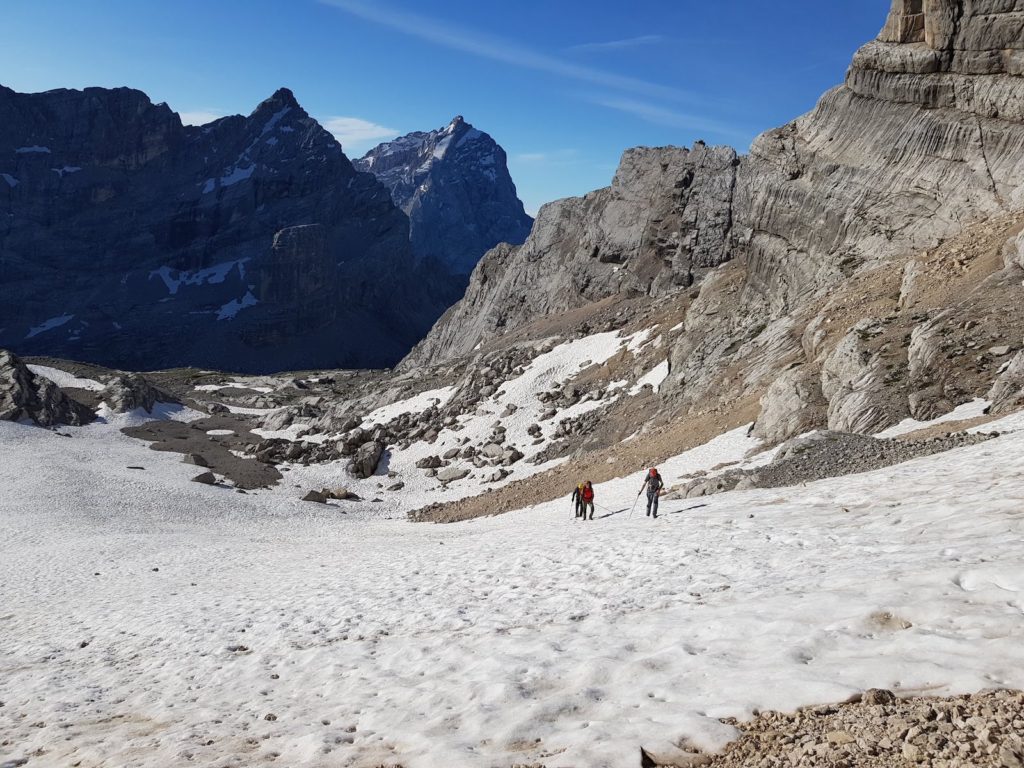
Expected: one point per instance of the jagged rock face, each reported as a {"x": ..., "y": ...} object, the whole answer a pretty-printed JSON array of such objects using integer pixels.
[
  {"x": 27, "y": 397},
  {"x": 665, "y": 218},
  {"x": 793, "y": 404},
  {"x": 1007, "y": 393},
  {"x": 455, "y": 187},
  {"x": 924, "y": 138},
  {"x": 161, "y": 238}
]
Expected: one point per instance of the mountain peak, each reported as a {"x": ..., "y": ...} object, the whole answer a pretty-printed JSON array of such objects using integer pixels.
[
  {"x": 282, "y": 98},
  {"x": 458, "y": 123}
]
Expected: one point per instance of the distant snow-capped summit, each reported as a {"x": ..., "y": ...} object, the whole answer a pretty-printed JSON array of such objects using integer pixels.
[{"x": 454, "y": 185}]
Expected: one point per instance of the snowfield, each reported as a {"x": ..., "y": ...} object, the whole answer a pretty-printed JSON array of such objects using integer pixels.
[{"x": 151, "y": 621}]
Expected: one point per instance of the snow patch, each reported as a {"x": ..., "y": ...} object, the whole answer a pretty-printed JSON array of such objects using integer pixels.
[
  {"x": 250, "y": 411},
  {"x": 11, "y": 181},
  {"x": 233, "y": 385},
  {"x": 442, "y": 147},
  {"x": 65, "y": 379},
  {"x": 459, "y": 645},
  {"x": 471, "y": 135},
  {"x": 218, "y": 273},
  {"x": 971, "y": 410},
  {"x": 236, "y": 175},
  {"x": 654, "y": 377},
  {"x": 233, "y": 307},
  {"x": 274, "y": 120},
  {"x": 48, "y": 325},
  {"x": 160, "y": 412},
  {"x": 32, "y": 150},
  {"x": 67, "y": 169},
  {"x": 415, "y": 404}
]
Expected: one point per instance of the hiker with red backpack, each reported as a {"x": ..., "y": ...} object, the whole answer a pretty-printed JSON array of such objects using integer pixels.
[
  {"x": 587, "y": 494},
  {"x": 653, "y": 484}
]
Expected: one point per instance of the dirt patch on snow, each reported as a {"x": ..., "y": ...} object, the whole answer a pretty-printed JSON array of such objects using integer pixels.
[{"x": 230, "y": 434}]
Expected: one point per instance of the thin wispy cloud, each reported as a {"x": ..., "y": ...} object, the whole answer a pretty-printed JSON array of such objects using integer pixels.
[
  {"x": 617, "y": 45},
  {"x": 659, "y": 115},
  {"x": 199, "y": 117},
  {"x": 355, "y": 133},
  {"x": 559, "y": 156},
  {"x": 486, "y": 46}
]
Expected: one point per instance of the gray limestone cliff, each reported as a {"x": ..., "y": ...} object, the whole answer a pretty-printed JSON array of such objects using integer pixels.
[{"x": 925, "y": 137}]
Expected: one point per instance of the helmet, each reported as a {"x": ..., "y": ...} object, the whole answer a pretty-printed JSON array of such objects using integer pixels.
[{"x": 653, "y": 472}]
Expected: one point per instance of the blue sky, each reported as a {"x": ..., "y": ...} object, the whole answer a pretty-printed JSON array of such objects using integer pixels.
[{"x": 564, "y": 85}]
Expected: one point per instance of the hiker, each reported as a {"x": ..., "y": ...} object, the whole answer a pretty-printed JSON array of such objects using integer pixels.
[
  {"x": 577, "y": 499},
  {"x": 653, "y": 485},
  {"x": 587, "y": 494}
]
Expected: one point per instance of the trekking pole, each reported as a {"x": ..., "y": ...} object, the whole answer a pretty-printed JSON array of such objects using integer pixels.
[{"x": 634, "y": 505}]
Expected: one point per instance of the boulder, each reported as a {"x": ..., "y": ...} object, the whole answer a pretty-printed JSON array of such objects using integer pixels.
[
  {"x": 367, "y": 456},
  {"x": 497, "y": 475},
  {"x": 451, "y": 474},
  {"x": 878, "y": 696},
  {"x": 206, "y": 478},
  {"x": 316, "y": 496},
  {"x": 491, "y": 451},
  {"x": 510, "y": 456},
  {"x": 195, "y": 459},
  {"x": 429, "y": 462},
  {"x": 25, "y": 396}
]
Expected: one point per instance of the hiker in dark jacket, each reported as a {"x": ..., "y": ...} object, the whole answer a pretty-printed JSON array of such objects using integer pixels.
[
  {"x": 577, "y": 499},
  {"x": 653, "y": 484},
  {"x": 588, "y": 499}
]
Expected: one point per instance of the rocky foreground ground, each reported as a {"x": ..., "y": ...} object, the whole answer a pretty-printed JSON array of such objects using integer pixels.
[{"x": 880, "y": 731}]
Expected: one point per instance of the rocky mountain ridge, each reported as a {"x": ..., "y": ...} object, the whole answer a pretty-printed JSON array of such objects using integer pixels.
[
  {"x": 249, "y": 244},
  {"x": 454, "y": 185}
]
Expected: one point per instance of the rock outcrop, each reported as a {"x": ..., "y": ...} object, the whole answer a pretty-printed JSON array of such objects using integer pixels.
[
  {"x": 454, "y": 185},
  {"x": 27, "y": 397},
  {"x": 130, "y": 391},
  {"x": 924, "y": 139},
  {"x": 178, "y": 245},
  {"x": 665, "y": 220}
]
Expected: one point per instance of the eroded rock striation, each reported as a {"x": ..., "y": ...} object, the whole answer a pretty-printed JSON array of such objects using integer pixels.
[{"x": 923, "y": 139}]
